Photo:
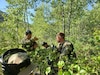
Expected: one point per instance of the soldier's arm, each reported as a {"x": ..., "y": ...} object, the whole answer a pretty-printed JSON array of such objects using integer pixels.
[{"x": 66, "y": 49}]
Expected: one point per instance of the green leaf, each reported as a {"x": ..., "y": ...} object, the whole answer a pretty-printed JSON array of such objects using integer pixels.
[
  {"x": 67, "y": 73},
  {"x": 48, "y": 69},
  {"x": 60, "y": 64}
]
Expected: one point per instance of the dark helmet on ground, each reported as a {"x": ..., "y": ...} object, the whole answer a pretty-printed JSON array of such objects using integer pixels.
[{"x": 28, "y": 32}]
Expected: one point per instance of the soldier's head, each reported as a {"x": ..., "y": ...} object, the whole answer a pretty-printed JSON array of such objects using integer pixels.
[
  {"x": 60, "y": 37},
  {"x": 28, "y": 34}
]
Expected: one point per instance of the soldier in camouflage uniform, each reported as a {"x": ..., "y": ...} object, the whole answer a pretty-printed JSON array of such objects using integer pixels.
[
  {"x": 64, "y": 52},
  {"x": 28, "y": 43},
  {"x": 65, "y": 48}
]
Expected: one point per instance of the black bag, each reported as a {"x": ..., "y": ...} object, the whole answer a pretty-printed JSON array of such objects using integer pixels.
[{"x": 12, "y": 69}]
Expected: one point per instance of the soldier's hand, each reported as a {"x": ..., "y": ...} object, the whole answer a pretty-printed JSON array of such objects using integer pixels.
[{"x": 35, "y": 38}]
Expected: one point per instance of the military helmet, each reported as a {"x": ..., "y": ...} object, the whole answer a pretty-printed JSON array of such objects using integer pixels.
[
  {"x": 14, "y": 60},
  {"x": 28, "y": 32}
]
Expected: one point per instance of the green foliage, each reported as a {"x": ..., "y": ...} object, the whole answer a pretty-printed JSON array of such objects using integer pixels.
[
  {"x": 60, "y": 64},
  {"x": 48, "y": 69},
  {"x": 82, "y": 28}
]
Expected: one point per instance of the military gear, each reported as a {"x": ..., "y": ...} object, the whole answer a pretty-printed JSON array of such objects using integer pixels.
[
  {"x": 66, "y": 48},
  {"x": 44, "y": 43},
  {"x": 12, "y": 67},
  {"x": 28, "y": 32},
  {"x": 19, "y": 63},
  {"x": 28, "y": 44}
]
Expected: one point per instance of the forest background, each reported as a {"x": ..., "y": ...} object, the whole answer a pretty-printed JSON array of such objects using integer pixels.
[{"x": 45, "y": 18}]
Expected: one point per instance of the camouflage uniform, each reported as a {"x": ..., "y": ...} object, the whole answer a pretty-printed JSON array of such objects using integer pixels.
[
  {"x": 66, "y": 49},
  {"x": 28, "y": 44}
]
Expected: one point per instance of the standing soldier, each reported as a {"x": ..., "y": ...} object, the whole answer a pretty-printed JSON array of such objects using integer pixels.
[
  {"x": 28, "y": 43},
  {"x": 65, "y": 48}
]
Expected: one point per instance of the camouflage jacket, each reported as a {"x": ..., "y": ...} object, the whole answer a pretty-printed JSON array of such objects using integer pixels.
[
  {"x": 27, "y": 44},
  {"x": 65, "y": 49}
]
